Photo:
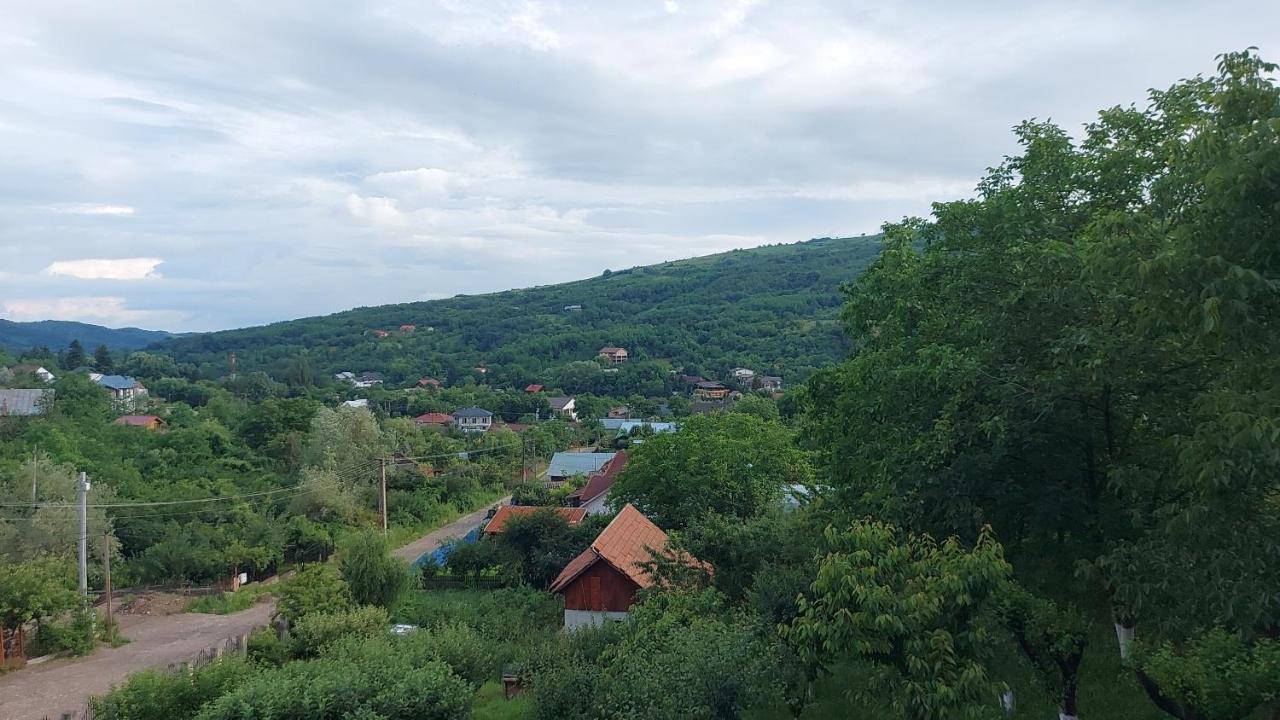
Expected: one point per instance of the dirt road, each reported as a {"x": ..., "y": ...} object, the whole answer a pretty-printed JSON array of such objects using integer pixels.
[
  {"x": 455, "y": 529},
  {"x": 61, "y": 686},
  {"x": 58, "y": 686}
]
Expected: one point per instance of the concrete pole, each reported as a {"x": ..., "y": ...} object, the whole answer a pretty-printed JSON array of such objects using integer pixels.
[{"x": 84, "y": 535}]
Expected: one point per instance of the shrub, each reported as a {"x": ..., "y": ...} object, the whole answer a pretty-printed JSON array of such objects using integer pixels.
[
  {"x": 315, "y": 632},
  {"x": 315, "y": 588},
  {"x": 498, "y": 615},
  {"x": 156, "y": 695},
  {"x": 344, "y": 684},
  {"x": 266, "y": 647},
  {"x": 471, "y": 656},
  {"x": 375, "y": 576}
]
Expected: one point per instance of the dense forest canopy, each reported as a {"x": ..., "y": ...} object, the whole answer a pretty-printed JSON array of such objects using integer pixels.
[
  {"x": 19, "y": 336},
  {"x": 773, "y": 309}
]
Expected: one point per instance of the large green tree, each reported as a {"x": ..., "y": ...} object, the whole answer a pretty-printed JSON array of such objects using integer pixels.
[
  {"x": 728, "y": 463},
  {"x": 1083, "y": 357}
]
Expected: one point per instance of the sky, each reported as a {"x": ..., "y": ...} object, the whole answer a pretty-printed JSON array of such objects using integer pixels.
[{"x": 198, "y": 166}]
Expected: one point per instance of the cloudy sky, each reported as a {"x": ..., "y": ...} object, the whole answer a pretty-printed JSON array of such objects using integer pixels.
[{"x": 233, "y": 163}]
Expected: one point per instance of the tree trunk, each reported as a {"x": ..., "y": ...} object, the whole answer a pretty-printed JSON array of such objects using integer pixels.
[{"x": 1124, "y": 637}]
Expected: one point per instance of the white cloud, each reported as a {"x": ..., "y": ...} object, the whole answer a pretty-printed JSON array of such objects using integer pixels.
[
  {"x": 118, "y": 269},
  {"x": 671, "y": 6},
  {"x": 108, "y": 310},
  {"x": 93, "y": 209},
  {"x": 378, "y": 211}
]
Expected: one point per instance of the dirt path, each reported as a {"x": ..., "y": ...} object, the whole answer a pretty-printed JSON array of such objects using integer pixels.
[
  {"x": 58, "y": 686},
  {"x": 455, "y": 529}
]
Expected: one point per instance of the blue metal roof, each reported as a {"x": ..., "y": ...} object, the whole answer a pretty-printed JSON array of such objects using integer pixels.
[
  {"x": 564, "y": 464},
  {"x": 117, "y": 382},
  {"x": 472, "y": 412}
]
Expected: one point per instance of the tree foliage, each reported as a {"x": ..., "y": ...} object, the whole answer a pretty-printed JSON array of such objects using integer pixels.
[
  {"x": 917, "y": 611},
  {"x": 728, "y": 463}
]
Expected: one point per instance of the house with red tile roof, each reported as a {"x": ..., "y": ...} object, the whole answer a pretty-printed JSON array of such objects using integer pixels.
[
  {"x": 434, "y": 419},
  {"x": 593, "y": 497},
  {"x": 429, "y": 382},
  {"x": 150, "y": 422},
  {"x": 601, "y": 584},
  {"x": 533, "y": 388},
  {"x": 613, "y": 355},
  {"x": 499, "y": 521}
]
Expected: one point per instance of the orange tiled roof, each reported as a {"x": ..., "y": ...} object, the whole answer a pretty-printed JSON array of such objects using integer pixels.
[
  {"x": 628, "y": 542},
  {"x": 137, "y": 420},
  {"x": 571, "y": 515}
]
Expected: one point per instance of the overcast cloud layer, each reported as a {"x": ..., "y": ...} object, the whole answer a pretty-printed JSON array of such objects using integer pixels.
[{"x": 233, "y": 163}]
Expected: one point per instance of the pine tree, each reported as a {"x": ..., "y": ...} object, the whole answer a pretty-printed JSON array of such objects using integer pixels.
[
  {"x": 102, "y": 361},
  {"x": 75, "y": 356}
]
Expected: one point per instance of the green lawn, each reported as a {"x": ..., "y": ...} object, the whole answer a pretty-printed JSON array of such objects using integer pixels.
[{"x": 491, "y": 705}]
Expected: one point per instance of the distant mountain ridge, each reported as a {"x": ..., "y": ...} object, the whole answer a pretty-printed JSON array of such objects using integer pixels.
[
  {"x": 57, "y": 334},
  {"x": 774, "y": 309}
]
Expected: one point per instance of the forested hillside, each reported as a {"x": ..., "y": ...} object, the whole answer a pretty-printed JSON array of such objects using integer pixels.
[
  {"x": 20, "y": 336},
  {"x": 773, "y": 309}
]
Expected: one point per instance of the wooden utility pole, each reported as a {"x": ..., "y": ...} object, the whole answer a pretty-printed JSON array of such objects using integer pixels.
[
  {"x": 382, "y": 472},
  {"x": 106, "y": 573}
]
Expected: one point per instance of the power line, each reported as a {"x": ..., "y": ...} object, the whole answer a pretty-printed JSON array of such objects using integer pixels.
[{"x": 156, "y": 503}]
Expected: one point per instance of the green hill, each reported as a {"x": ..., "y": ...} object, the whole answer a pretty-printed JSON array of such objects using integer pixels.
[
  {"x": 57, "y": 334},
  {"x": 774, "y": 309}
]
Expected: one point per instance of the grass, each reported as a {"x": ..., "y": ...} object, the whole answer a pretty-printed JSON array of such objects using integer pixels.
[
  {"x": 490, "y": 704},
  {"x": 229, "y": 602}
]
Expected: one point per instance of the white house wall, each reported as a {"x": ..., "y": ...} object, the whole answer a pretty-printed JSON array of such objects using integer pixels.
[{"x": 575, "y": 619}]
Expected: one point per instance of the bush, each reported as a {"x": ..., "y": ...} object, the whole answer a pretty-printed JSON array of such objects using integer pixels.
[
  {"x": 266, "y": 647},
  {"x": 156, "y": 695},
  {"x": 374, "y": 575},
  {"x": 348, "y": 683},
  {"x": 74, "y": 636},
  {"x": 315, "y": 588},
  {"x": 315, "y": 632},
  {"x": 471, "y": 656},
  {"x": 498, "y": 615}
]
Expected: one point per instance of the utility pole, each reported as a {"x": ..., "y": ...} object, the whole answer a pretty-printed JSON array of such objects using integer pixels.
[
  {"x": 382, "y": 471},
  {"x": 84, "y": 534},
  {"x": 524, "y": 459},
  {"x": 33, "y": 478},
  {"x": 106, "y": 572}
]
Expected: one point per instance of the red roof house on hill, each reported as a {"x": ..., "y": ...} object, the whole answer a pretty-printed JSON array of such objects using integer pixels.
[
  {"x": 498, "y": 523},
  {"x": 533, "y": 388},
  {"x": 434, "y": 419},
  {"x": 150, "y": 422},
  {"x": 594, "y": 495},
  {"x": 601, "y": 583}
]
